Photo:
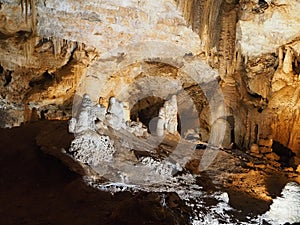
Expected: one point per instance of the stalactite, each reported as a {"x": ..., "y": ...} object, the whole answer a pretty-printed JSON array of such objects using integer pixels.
[
  {"x": 58, "y": 44},
  {"x": 33, "y": 16},
  {"x": 29, "y": 9},
  {"x": 24, "y": 5},
  {"x": 287, "y": 65},
  {"x": 215, "y": 22},
  {"x": 280, "y": 57},
  {"x": 28, "y": 49}
]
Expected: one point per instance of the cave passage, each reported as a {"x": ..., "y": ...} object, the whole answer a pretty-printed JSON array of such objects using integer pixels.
[{"x": 146, "y": 111}]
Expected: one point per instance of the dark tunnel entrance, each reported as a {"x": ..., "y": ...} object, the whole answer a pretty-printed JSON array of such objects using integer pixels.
[{"x": 146, "y": 111}]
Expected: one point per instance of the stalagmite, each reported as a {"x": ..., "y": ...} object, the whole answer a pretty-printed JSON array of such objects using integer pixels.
[
  {"x": 115, "y": 113},
  {"x": 89, "y": 146},
  {"x": 287, "y": 66},
  {"x": 167, "y": 118},
  {"x": 160, "y": 127}
]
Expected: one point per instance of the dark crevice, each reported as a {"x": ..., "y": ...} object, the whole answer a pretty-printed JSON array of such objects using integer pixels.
[
  {"x": 260, "y": 110},
  {"x": 8, "y": 77},
  {"x": 71, "y": 55},
  {"x": 231, "y": 121},
  {"x": 263, "y": 4},
  {"x": 48, "y": 76},
  {"x": 296, "y": 65},
  {"x": 1, "y": 69},
  {"x": 146, "y": 109},
  {"x": 255, "y": 95},
  {"x": 42, "y": 81},
  {"x": 286, "y": 154},
  {"x": 261, "y": 7}
]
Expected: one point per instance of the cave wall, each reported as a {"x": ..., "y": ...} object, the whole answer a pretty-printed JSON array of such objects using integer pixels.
[
  {"x": 48, "y": 47},
  {"x": 255, "y": 47},
  {"x": 268, "y": 40}
]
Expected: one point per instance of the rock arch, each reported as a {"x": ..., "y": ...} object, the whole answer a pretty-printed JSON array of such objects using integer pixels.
[{"x": 123, "y": 73}]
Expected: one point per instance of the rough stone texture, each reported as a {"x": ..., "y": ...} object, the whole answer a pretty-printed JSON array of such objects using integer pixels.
[
  {"x": 286, "y": 207},
  {"x": 108, "y": 25},
  {"x": 272, "y": 80},
  {"x": 137, "y": 128},
  {"x": 32, "y": 76},
  {"x": 261, "y": 91},
  {"x": 265, "y": 31},
  {"x": 92, "y": 148},
  {"x": 164, "y": 168}
]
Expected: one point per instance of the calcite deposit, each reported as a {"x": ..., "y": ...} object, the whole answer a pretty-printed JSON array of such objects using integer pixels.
[{"x": 167, "y": 117}]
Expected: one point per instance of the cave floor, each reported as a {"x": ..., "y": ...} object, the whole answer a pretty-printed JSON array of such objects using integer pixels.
[{"x": 37, "y": 188}]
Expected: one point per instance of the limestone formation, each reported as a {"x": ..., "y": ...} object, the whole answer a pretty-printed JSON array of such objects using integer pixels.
[
  {"x": 92, "y": 148},
  {"x": 136, "y": 128},
  {"x": 164, "y": 168},
  {"x": 88, "y": 146},
  {"x": 192, "y": 134},
  {"x": 167, "y": 118},
  {"x": 115, "y": 114},
  {"x": 286, "y": 207},
  {"x": 87, "y": 116},
  {"x": 171, "y": 115},
  {"x": 160, "y": 127},
  {"x": 254, "y": 149},
  {"x": 72, "y": 125}
]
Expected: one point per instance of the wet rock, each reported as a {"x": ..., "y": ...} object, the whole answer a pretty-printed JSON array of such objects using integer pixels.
[{"x": 286, "y": 208}]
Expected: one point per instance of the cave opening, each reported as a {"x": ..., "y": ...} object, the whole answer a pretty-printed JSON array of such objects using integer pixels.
[
  {"x": 286, "y": 155},
  {"x": 43, "y": 80},
  {"x": 146, "y": 110}
]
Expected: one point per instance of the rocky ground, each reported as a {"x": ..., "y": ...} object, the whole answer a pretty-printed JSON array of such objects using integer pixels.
[{"x": 37, "y": 188}]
